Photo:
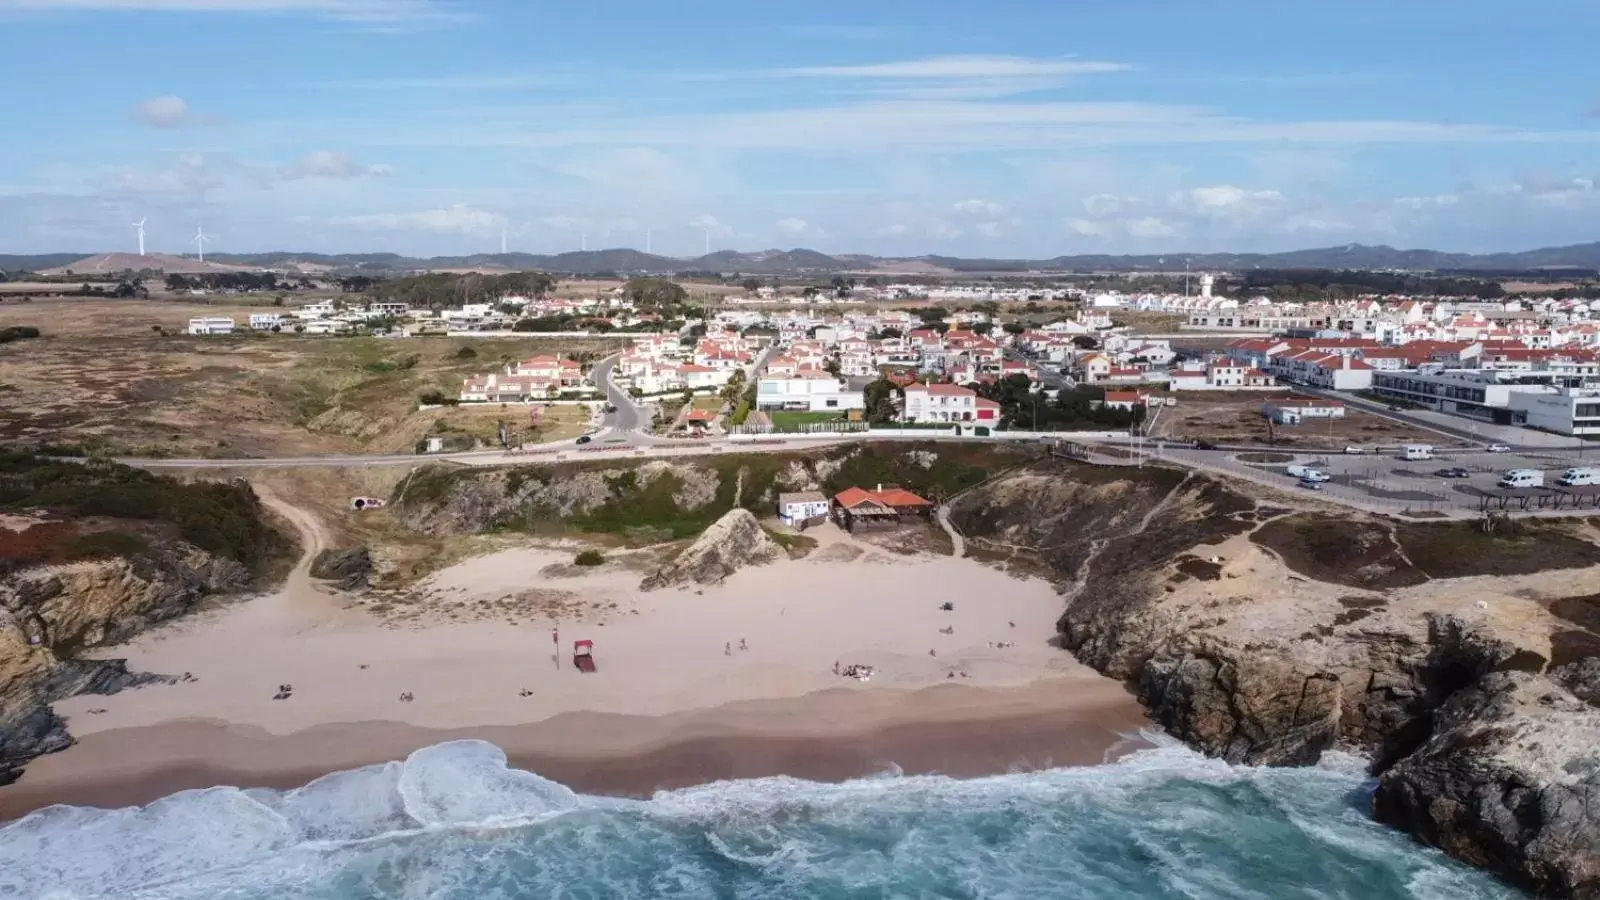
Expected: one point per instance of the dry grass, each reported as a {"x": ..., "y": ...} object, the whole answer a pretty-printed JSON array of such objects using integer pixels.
[
  {"x": 102, "y": 378},
  {"x": 1235, "y": 418}
]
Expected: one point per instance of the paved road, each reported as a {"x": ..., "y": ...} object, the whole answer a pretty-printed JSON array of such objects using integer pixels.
[
  {"x": 1050, "y": 376},
  {"x": 629, "y": 414}
]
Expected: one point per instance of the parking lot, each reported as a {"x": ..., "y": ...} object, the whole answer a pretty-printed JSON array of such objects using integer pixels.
[{"x": 1389, "y": 482}]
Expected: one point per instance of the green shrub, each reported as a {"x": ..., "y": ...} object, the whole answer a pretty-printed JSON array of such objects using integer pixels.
[{"x": 589, "y": 558}]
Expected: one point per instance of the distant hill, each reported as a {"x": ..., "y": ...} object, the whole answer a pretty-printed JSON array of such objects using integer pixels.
[
  {"x": 113, "y": 263},
  {"x": 624, "y": 261}
]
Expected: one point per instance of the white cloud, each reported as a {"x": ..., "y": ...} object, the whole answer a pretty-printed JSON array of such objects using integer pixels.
[
  {"x": 794, "y": 226},
  {"x": 937, "y": 67},
  {"x": 1224, "y": 200},
  {"x": 167, "y": 111},
  {"x": 710, "y": 224},
  {"x": 1150, "y": 227},
  {"x": 458, "y": 219},
  {"x": 331, "y": 164},
  {"x": 1103, "y": 204},
  {"x": 1086, "y": 227},
  {"x": 987, "y": 208}
]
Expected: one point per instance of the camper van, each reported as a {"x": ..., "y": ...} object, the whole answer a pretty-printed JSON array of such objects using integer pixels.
[
  {"x": 1579, "y": 477},
  {"x": 1306, "y": 473},
  {"x": 1522, "y": 478},
  {"x": 1416, "y": 451}
]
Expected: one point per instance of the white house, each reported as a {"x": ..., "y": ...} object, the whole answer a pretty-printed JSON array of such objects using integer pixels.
[
  {"x": 948, "y": 403},
  {"x": 802, "y": 506},
  {"x": 811, "y": 393},
  {"x": 211, "y": 325},
  {"x": 1292, "y": 411},
  {"x": 263, "y": 321}
]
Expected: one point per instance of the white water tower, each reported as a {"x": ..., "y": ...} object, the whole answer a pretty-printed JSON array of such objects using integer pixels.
[{"x": 1206, "y": 282}]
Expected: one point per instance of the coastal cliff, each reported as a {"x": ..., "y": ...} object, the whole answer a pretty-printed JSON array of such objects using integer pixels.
[
  {"x": 1267, "y": 635},
  {"x": 91, "y": 555}
]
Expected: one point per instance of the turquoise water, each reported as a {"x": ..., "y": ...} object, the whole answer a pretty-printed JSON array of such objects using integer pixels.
[{"x": 454, "y": 822}]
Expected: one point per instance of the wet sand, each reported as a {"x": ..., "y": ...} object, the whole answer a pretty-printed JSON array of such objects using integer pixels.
[{"x": 828, "y": 736}]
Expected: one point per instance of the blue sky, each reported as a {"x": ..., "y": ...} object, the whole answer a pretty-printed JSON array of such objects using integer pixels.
[{"x": 1007, "y": 128}]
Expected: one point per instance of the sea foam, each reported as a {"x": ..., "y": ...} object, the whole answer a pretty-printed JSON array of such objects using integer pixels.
[{"x": 454, "y": 821}]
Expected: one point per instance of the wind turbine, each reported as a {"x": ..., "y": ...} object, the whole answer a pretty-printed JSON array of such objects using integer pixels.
[
  {"x": 502, "y": 240},
  {"x": 139, "y": 225},
  {"x": 708, "y": 242},
  {"x": 583, "y": 241},
  {"x": 200, "y": 242}
]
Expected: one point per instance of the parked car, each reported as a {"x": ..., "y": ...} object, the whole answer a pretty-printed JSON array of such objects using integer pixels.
[
  {"x": 1453, "y": 473},
  {"x": 585, "y": 439},
  {"x": 1310, "y": 485},
  {"x": 1499, "y": 448},
  {"x": 1355, "y": 451},
  {"x": 1204, "y": 445}
]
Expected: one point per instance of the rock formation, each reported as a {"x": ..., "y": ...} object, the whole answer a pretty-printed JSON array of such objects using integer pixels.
[
  {"x": 349, "y": 569},
  {"x": 1266, "y": 637},
  {"x": 49, "y": 613},
  {"x": 1510, "y": 781},
  {"x": 732, "y": 542}
]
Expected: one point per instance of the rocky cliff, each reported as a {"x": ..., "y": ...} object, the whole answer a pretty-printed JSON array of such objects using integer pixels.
[
  {"x": 653, "y": 501},
  {"x": 91, "y": 554},
  {"x": 1267, "y": 635},
  {"x": 50, "y": 613},
  {"x": 732, "y": 542}
]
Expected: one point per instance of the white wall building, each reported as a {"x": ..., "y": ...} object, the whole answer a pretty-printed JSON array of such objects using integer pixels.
[
  {"x": 807, "y": 393},
  {"x": 1574, "y": 411},
  {"x": 948, "y": 403},
  {"x": 211, "y": 325}
]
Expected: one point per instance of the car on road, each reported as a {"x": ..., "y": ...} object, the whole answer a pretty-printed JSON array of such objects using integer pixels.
[
  {"x": 1499, "y": 448},
  {"x": 1353, "y": 450},
  {"x": 1453, "y": 473},
  {"x": 585, "y": 439},
  {"x": 1204, "y": 445},
  {"x": 1310, "y": 485},
  {"x": 611, "y": 407}
]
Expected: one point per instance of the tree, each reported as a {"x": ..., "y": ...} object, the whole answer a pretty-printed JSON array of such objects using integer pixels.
[
  {"x": 879, "y": 397},
  {"x": 751, "y": 285},
  {"x": 656, "y": 294},
  {"x": 1085, "y": 342},
  {"x": 832, "y": 366},
  {"x": 983, "y": 328},
  {"x": 735, "y": 386},
  {"x": 1013, "y": 328}
]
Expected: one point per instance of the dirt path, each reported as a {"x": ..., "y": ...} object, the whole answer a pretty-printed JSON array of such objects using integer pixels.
[
  {"x": 958, "y": 544},
  {"x": 300, "y": 593}
]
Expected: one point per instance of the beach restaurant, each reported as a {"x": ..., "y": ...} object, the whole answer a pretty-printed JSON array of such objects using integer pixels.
[{"x": 884, "y": 505}]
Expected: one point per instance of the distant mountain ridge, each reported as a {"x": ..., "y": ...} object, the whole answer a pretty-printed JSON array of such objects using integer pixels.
[{"x": 800, "y": 261}]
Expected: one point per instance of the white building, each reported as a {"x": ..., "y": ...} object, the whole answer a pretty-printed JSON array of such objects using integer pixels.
[
  {"x": 802, "y": 506},
  {"x": 1574, "y": 411},
  {"x": 948, "y": 403},
  {"x": 211, "y": 325},
  {"x": 823, "y": 393},
  {"x": 1293, "y": 411},
  {"x": 264, "y": 321}
]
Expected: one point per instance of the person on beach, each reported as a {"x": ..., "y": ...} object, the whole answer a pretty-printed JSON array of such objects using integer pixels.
[
  {"x": 727, "y": 649},
  {"x": 743, "y": 645}
]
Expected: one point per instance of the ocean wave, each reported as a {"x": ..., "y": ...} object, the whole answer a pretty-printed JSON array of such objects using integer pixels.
[{"x": 455, "y": 821}]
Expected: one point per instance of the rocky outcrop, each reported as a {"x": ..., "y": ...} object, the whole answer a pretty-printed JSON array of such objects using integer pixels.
[
  {"x": 1509, "y": 780},
  {"x": 1266, "y": 637},
  {"x": 734, "y": 541},
  {"x": 49, "y": 613},
  {"x": 349, "y": 569}
]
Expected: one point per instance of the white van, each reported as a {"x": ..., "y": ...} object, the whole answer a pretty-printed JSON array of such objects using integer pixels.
[
  {"x": 1522, "y": 478},
  {"x": 1578, "y": 477},
  {"x": 1307, "y": 473},
  {"x": 1416, "y": 451}
]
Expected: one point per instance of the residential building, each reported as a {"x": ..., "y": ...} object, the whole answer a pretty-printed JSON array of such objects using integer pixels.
[
  {"x": 1126, "y": 399},
  {"x": 211, "y": 325},
  {"x": 948, "y": 403},
  {"x": 884, "y": 505},
  {"x": 264, "y": 321},
  {"x": 1294, "y": 410},
  {"x": 814, "y": 391}
]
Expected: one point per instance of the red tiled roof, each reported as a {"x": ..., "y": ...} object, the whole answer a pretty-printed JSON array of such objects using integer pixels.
[
  {"x": 1124, "y": 397},
  {"x": 940, "y": 390},
  {"x": 850, "y": 498}
]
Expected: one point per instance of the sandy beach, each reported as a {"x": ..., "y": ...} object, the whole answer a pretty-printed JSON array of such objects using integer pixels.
[{"x": 691, "y": 685}]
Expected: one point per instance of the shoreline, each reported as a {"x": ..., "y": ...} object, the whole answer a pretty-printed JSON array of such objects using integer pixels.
[{"x": 834, "y": 735}]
